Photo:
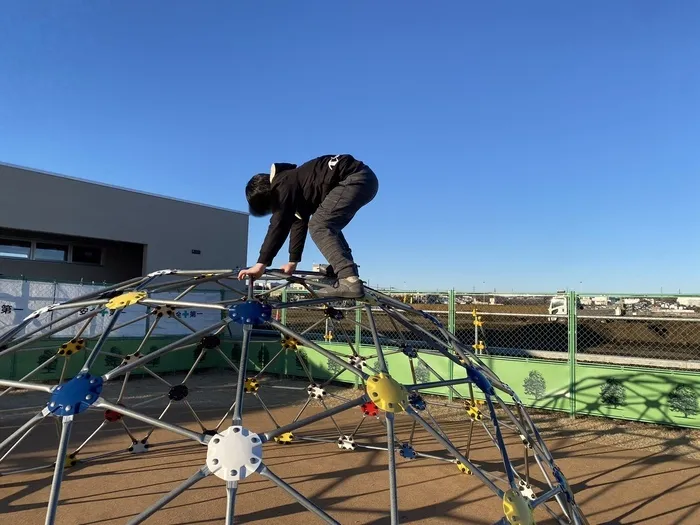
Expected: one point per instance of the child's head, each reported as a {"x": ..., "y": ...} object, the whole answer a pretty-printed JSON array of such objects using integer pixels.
[{"x": 258, "y": 191}]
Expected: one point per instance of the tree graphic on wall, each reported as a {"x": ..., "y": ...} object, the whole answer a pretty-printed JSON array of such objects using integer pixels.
[
  {"x": 301, "y": 357},
  {"x": 45, "y": 356},
  {"x": 333, "y": 367},
  {"x": 422, "y": 372},
  {"x": 613, "y": 393},
  {"x": 535, "y": 385},
  {"x": 112, "y": 361},
  {"x": 236, "y": 353},
  {"x": 684, "y": 399}
]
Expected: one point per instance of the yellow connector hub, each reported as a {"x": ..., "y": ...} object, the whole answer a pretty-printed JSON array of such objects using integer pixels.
[
  {"x": 387, "y": 393},
  {"x": 126, "y": 299},
  {"x": 71, "y": 347},
  {"x": 285, "y": 439},
  {"x": 516, "y": 509},
  {"x": 289, "y": 343}
]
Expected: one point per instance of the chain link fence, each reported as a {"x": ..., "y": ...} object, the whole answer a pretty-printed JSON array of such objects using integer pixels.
[
  {"x": 513, "y": 325},
  {"x": 636, "y": 330},
  {"x": 650, "y": 331},
  {"x": 317, "y": 322}
]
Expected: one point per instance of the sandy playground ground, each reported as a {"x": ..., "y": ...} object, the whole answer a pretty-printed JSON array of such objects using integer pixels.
[{"x": 622, "y": 473}]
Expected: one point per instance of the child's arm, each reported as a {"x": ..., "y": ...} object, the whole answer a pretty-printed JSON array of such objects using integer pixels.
[
  {"x": 298, "y": 239},
  {"x": 278, "y": 231}
]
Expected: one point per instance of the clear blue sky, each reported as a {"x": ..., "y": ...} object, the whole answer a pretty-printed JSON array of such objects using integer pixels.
[{"x": 527, "y": 146}]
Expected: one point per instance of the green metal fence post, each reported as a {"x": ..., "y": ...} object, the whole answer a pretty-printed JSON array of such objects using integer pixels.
[
  {"x": 283, "y": 320},
  {"x": 573, "y": 325},
  {"x": 451, "y": 327},
  {"x": 358, "y": 337},
  {"x": 283, "y": 316}
]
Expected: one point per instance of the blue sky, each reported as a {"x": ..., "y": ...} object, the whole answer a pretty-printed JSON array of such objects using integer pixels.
[{"x": 527, "y": 146}]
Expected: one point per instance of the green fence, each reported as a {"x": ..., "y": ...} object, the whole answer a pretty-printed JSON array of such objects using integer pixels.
[
  {"x": 621, "y": 356},
  {"x": 634, "y": 357}
]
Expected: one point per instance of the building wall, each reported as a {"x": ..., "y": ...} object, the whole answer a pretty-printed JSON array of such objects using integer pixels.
[
  {"x": 122, "y": 261},
  {"x": 168, "y": 229}
]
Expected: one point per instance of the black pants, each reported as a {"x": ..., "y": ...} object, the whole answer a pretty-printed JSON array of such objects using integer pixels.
[{"x": 335, "y": 212}]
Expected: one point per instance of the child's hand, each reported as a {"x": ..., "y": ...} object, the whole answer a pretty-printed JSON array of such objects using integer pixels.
[
  {"x": 255, "y": 272},
  {"x": 289, "y": 268}
]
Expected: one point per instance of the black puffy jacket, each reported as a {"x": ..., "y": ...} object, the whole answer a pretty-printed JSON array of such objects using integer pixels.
[{"x": 299, "y": 191}]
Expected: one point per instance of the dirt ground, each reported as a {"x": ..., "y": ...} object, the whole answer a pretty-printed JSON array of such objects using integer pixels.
[{"x": 621, "y": 473}]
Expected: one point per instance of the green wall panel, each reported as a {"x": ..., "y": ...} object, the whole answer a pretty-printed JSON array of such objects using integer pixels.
[
  {"x": 647, "y": 395},
  {"x": 321, "y": 367},
  {"x": 7, "y": 366}
]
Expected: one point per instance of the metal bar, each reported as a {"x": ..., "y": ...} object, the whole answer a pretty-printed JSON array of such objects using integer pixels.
[
  {"x": 29, "y": 429},
  {"x": 231, "y": 489},
  {"x": 49, "y": 333},
  {"x": 375, "y": 338},
  {"x": 314, "y": 346},
  {"x": 42, "y": 365},
  {"x": 337, "y": 427},
  {"x": 26, "y": 386},
  {"x": 200, "y": 356},
  {"x": 200, "y": 438},
  {"x": 314, "y": 326},
  {"x": 316, "y": 417},
  {"x": 100, "y": 343},
  {"x": 121, "y": 369},
  {"x": 226, "y": 358},
  {"x": 160, "y": 417},
  {"x": 242, "y": 370},
  {"x": 58, "y": 470},
  {"x": 216, "y": 275},
  {"x": 303, "y": 303},
  {"x": 102, "y": 291},
  {"x": 56, "y": 321},
  {"x": 79, "y": 306},
  {"x": 450, "y": 388},
  {"x": 262, "y": 403},
  {"x": 122, "y": 325},
  {"x": 357, "y": 428},
  {"x": 449, "y": 446},
  {"x": 297, "y": 496},
  {"x": 391, "y": 449},
  {"x": 418, "y": 330},
  {"x": 82, "y": 445},
  {"x": 269, "y": 363},
  {"x": 162, "y": 502},
  {"x": 196, "y": 417},
  {"x": 438, "y": 384},
  {"x": 306, "y": 404},
  {"x": 546, "y": 496},
  {"x": 182, "y": 304}
]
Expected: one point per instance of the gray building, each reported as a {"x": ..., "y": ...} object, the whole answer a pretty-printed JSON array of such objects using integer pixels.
[{"x": 60, "y": 228}]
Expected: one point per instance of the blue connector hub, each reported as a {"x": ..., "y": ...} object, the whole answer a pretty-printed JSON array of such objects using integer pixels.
[
  {"x": 250, "y": 312},
  {"x": 75, "y": 396}
]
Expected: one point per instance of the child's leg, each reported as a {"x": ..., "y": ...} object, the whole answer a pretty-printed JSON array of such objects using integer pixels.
[{"x": 334, "y": 213}]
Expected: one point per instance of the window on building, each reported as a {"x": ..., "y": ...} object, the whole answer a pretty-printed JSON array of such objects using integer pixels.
[
  {"x": 51, "y": 252},
  {"x": 15, "y": 249},
  {"x": 87, "y": 254}
]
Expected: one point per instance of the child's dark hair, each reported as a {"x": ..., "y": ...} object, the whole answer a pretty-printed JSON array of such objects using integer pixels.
[{"x": 259, "y": 193}]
